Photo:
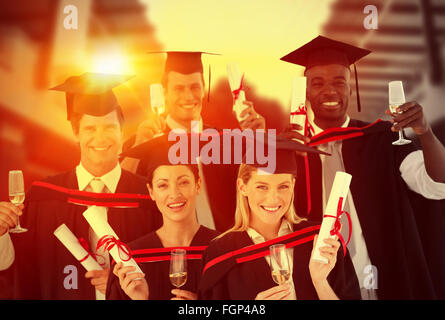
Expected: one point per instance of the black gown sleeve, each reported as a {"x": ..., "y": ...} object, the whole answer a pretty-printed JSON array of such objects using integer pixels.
[
  {"x": 214, "y": 285},
  {"x": 343, "y": 278},
  {"x": 219, "y": 290}
]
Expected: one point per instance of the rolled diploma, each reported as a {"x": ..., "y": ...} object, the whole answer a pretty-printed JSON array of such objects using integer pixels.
[
  {"x": 298, "y": 99},
  {"x": 234, "y": 75},
  {"x": 157, "y": 98},
  {"x": 102, "y": 228},
  {"x": 339, "y": 189},
  {"x": 69, "y": 240}
]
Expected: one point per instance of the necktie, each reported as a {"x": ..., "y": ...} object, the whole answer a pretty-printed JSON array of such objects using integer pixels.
[
  {"x": 97, "y": 185},
  {"x": 331, "y": 165}
]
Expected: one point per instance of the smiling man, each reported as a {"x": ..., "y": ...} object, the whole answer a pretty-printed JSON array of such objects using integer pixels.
[
  {"x": 43, "y": 268},
  {"x": 184, "y": 91},
  {"x": 395, "y": 193}
]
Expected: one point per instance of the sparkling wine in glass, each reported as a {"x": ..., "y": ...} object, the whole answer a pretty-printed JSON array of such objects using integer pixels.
[
  {"x": 279, "y": 263},
  {"x": 157, "y": 98},
  {"x": 157, "y": 101},
  {"x": 16, "y": 194},
  {"x": 396, "y": 99},
  {"x": 178, "y": 267}
]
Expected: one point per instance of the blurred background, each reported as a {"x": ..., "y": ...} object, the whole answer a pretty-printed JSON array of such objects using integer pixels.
[{"x": 114, "y": 36}]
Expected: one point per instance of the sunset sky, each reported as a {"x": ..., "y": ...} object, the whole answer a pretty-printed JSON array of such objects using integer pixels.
[{"x": 254, "y": 33}]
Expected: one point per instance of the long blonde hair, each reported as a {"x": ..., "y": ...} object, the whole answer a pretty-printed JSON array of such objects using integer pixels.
[{"x": 242, "y": 211}]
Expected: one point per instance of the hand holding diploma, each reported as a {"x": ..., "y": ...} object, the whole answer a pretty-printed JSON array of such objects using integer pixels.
[
  {"x": 319, "y": 271},
  {"x": 134, "y": 284},
  {"x": 108, "y": 238},
  {"x": 253, "y": 120},
  {"x": 77, "y": 249},
  {"x": 245, "y": 113},
  {"x": 330, "y": 226}
]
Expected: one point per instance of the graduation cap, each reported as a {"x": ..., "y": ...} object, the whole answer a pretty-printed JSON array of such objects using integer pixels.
[
  {"x": 324, "y": 51},
  {"x": 154, "y": 153},
  {"x": 91, "y": 93},
  {"x": 185, "y": 62}
]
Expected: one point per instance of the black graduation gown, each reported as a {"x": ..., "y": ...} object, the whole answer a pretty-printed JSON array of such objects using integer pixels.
[
  {"x": 237, "y": 280},
  {"x": 220, "y": 180},
  {"x": 402, "y": 229},
  {"x": 40, "y": 258},
  {"x": 157, "y": 272}
]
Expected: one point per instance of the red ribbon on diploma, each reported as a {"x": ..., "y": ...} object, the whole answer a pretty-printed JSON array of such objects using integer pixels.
[
  {"x": 108, "y": 242},
  {"x": 303, "y": 110},
  {"x": 300, "y": 110},
  {"x": 237, "y": 91},
  {"x": 337, "y": 224},
  {"x": 84, "y": 244}
]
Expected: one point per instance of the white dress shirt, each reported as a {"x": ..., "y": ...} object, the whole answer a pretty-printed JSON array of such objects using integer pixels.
[
  {"x": 413, "y": 172},
  {"x": 203, "y": 210},
  {"x": 285, "y": 228},
  {"x": 110, "y": 181},
  {"x": 7, "y": 254}
]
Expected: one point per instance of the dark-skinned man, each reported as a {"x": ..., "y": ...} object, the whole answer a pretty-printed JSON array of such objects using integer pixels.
[{"x": 395, "y": 199}]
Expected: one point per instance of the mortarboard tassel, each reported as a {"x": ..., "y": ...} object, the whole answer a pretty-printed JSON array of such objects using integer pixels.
[{"x": 359, "y": 107}]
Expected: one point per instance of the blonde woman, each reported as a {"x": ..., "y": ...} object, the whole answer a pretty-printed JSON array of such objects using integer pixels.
[{"x": 237, "y": 263}]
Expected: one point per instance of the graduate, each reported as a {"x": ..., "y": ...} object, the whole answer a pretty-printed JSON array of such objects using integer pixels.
[
  {"x": 396, "y": 194},
  {"x": 184, "y": 92},
  {"x": 236, "y": 264},
  {"x": 174, "y": 188},
  {"x": 43, "y": 268}
]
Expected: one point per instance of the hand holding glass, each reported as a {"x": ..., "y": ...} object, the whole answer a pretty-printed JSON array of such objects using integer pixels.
[
  {"x": 16, "y": 195},
  {"x": 396, "y": 99}
]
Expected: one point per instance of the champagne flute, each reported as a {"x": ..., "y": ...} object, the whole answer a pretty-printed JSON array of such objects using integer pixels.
[
  {"x": 178, "y": 267},
  {"x": 157, "y": 101},
  {"x": 16, "y": 195},
  {"x": 279, "y": 263},
  {"x": 397, "y": 98}
]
